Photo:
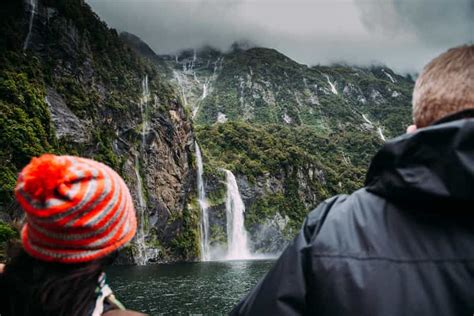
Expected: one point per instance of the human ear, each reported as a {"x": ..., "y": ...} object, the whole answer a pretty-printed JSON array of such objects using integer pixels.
[{"x": 411, "y": 129}]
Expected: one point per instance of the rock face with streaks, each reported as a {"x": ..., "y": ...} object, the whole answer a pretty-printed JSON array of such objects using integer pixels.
[
  {"x": 78, "y": 88},
  {"x": 293, "y": 135},
  {"x": 262, "y": 86}
]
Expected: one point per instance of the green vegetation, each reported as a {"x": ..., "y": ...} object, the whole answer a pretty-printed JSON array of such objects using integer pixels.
[
  {"x": 99, "y": 78},
  {"x": 308, "y": 163},
  {"x": 186, "y": 244},
  {"x": 287, "y": 126},
  {"x": 218, "y": 235},
  {"x": 25, "y": 127},
  {"x": 262, "y": 86},
  {"x": 7, "y": 233}
]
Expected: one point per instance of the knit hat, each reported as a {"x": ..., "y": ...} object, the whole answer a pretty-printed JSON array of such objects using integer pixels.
[{"x": 77, "y": 209}]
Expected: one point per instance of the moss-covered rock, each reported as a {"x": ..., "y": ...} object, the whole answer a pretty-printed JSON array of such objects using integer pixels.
[{"x": 79, "y": 89}]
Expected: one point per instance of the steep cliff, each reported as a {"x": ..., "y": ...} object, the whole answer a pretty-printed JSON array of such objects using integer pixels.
[
  {"x": 69, "y": 85},
  {"x": 263, "y": 86},
  {"x": 293, "y": 135}
]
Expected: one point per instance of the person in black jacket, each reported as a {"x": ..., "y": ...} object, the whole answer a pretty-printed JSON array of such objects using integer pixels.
[{"x": 403, "y": 244}]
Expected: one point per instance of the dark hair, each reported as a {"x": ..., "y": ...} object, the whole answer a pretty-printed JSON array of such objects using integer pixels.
[{"x": 33, "y": 287}]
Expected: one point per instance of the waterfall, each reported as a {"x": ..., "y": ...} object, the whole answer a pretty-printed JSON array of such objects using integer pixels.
[
  {"x": 379, "y": 129},
  {"x": 381, "y": 135},
  {"x": 333, "y": 87},
  {"x": 33, "y": 4},
  {"x": 142, "y": 257},
  {"x": 182, "y": 86},
  {"x": 367, "y": 120},
  {"x": 203, "y": 96},
  {"x": 237, "y": 242},
  {"x": 195, "y": 77},
  {"x": 143, "y": 110},
  {"x": 241, "y": 92},
  {"x": 204, "y": 91},
  {"x": 389, "y": 76},
  {"x": 205, "y": 249}
]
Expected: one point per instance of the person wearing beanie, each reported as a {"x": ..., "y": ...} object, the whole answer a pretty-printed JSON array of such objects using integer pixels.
[
  {"x": 404, "y": 243},
  {"x": 79, "y": 213}
]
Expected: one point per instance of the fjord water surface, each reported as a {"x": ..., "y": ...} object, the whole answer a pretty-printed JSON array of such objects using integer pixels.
[{"x": 203, "y": 288}]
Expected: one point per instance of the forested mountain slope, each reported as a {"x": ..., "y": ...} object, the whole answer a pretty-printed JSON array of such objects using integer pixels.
[
  {"x": 293, "y": 134},
  {"x": 69, "y": 84}
]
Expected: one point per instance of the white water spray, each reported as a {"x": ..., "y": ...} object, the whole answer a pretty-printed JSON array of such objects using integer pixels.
[
  {"x": 33, "y": 5},
  {"x": 367, "y": 120},
  {"x": 381, "y": 135},
  {"x": 237, "y": 241},
  {"x": 144, "y": 110},
  {"x": 182, "y": 86},
  {"x": 241, "y": 92},
  {"x": 203, "y": 96},
  {"x": 205, "y": 248},
  {"x": 389, "y": 76},
  {"x": 333, "y": 87},
  {"x": 379, "y": 129},
  {"x": 195, "y": 77},
  {"x": 204, "y": 91}
]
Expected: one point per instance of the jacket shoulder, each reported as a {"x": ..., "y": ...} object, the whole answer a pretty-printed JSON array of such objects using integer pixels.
[
  {"x": 337, "y": 206},
  {"x": 342, "y": 220}
]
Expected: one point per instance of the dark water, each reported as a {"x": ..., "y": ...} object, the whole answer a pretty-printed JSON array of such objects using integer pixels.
[{"x": 208, "y": 288}]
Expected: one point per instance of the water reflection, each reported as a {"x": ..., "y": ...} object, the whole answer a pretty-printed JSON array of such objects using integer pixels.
[{"x": 209, "y": 288}]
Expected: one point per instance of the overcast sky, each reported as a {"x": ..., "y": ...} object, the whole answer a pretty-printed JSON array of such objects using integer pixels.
[{"x": 403, "y": 34}]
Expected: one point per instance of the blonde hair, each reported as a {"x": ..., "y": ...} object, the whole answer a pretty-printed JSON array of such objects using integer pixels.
[{"x": 445, "y": 86}]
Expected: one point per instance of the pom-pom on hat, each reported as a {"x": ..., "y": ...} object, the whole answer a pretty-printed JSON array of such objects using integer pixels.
[{"x": 77, "y": 209}]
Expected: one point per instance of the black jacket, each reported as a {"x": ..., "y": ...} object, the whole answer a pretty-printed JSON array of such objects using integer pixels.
[{"x": 402, "y": 245}]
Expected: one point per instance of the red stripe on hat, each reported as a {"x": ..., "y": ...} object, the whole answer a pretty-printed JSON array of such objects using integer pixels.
[{"x": 104, "y": 202}]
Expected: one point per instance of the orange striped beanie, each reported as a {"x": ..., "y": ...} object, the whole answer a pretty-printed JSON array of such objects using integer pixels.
[{"x": 77, "y": 209}]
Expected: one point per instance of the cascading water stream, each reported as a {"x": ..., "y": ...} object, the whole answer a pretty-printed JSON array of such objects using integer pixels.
[
  {"x": 237, "y": 240},
  {"x": 142, "y": 257},
  {"x": 182, "y": 86},
  {"x": 144, "y": 109},
  {"x": 332, "y": 85},
  {"x": 381, "y": 135},
  {"x": 33, "y": 5},
  {"x": 203, "y": 96},
  {"x": 205, "y": 248},
  {"x": 389, "y": 76},
  {"x": 204, "y": 90},
  {"x": 379, "y": 129}
]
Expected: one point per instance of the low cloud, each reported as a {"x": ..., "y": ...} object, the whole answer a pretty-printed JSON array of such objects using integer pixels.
[{"x": 404, "y": 34}]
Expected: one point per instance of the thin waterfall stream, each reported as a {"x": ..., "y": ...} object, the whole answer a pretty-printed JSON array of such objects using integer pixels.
[
  {"x": 33, "y": 5},
  {"x": 142, "y": 255},
  {"x": 204, "y": 228}
]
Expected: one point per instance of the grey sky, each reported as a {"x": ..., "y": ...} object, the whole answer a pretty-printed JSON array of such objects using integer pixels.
[{"x": 403, "y": 34}]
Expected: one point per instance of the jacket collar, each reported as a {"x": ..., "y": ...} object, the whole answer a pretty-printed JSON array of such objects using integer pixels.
[
  {"x": 469, "y": 113},
  {"x": 434, "y": 164}
]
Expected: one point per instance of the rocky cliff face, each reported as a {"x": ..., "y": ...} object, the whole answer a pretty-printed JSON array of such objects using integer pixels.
[
  {"x": 293, "y": 135},
  {"x": 262, "y": 86},
  {"x": 76, "y": 88}
]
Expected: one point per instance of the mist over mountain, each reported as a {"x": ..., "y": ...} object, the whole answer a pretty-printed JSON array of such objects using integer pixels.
[
  {"x": 195, "y": 128},
  {"x": 404, "y": 35}
]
